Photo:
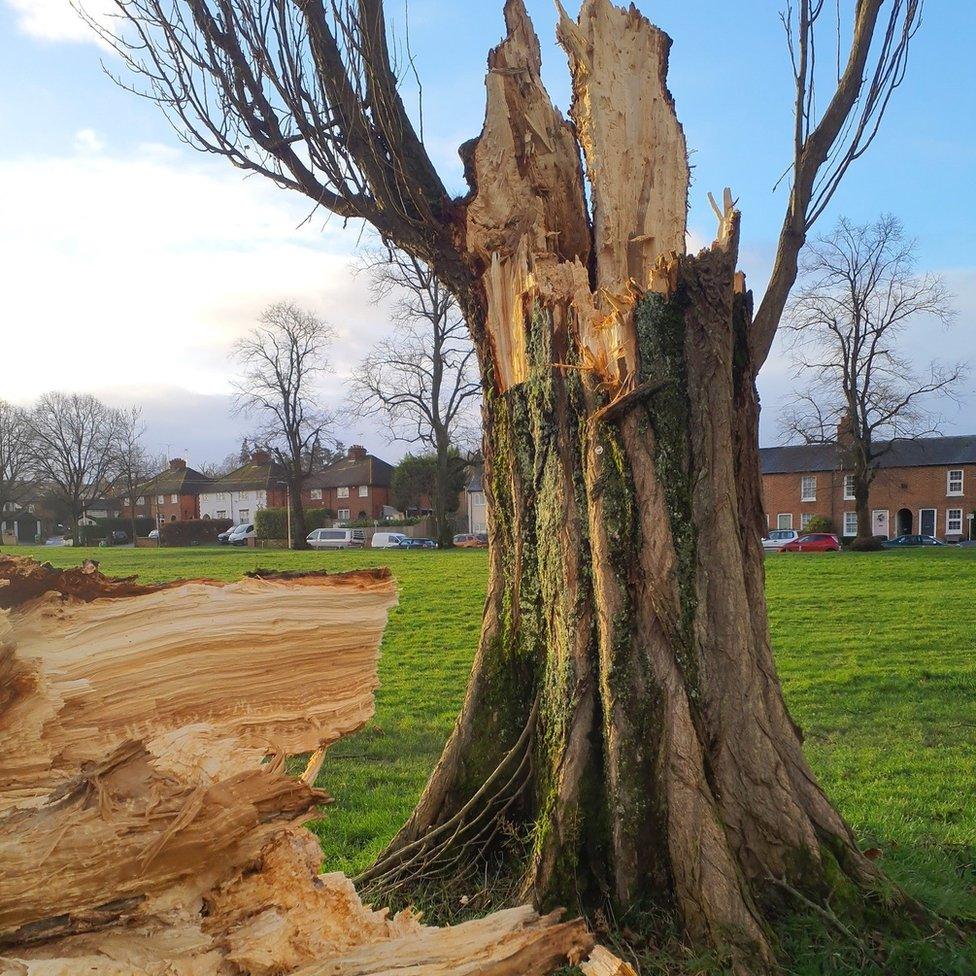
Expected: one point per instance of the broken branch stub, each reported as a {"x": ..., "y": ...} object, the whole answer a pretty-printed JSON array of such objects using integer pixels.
[
  {"x": 147, "y": 824},
  {"x": 527, "y": 222}
]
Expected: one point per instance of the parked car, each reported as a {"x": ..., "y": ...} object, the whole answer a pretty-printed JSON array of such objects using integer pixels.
[
  {"x": 471, "y": 540},
  {"x": 336, "y": 539},
  {"x": 154, "y": 535},
  {"x": 912, "y": 540},
  {"x": 779, "y": 538},
  {"x": 241, "y": 534},
  {"x": 386, "y": 540},
  {"x": 224, "y": 537},
  {"x": 815, "y": 542},
  {"x": 407, "y": 543},
  {"x": 116, "y": 537}
]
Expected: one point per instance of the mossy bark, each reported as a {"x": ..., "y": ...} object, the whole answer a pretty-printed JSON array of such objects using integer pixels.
[{"x": 624, "y": 708}]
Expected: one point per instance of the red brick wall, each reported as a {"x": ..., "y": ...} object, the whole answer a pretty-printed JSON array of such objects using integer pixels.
[
  {"x": 372, "y": 505},
  {"x": 186, "y": 507},
  {"x": 893, "y": 489}
]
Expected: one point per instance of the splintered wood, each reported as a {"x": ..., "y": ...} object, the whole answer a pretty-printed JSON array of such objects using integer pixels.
[
  {"x": 147, "y": 825},
  {"x": 527, "y": 220}
]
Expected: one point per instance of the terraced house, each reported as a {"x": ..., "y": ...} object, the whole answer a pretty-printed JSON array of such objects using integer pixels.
[
  {"x": 356, "y": 487},
  {"x": 172, "y": 495},
  {"x": 242, "y": 493},
  {"x": 925, "y": 486}
]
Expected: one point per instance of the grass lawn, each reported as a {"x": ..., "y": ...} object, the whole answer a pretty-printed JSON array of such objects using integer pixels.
[{"x": 877, "y": 653}]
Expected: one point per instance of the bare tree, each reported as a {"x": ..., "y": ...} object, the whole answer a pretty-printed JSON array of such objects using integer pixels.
[
  {"x": 860, "y": 293},
  {"x": 132, "y": 464},
  {"x": 623, "y": 712},
  {"x": 15, "y": 454},
  {"x": 423, "y": 377},
  {"x": 281, "y": 362},
  {"x": 75, "y": 441}
]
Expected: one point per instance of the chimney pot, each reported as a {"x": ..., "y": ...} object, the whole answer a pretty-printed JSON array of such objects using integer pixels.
[
  {"x": 260, "y": 457},
  {"x": 356, "y": 451},
  {"x": 177, "y": 464}
]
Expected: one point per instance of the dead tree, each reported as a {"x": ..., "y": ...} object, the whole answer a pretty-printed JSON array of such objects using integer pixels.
[
  {"x": 15, "y": 454},
  {"x": 423, "y": 377},
  {"x": 859, "y": 294},
  {"x": 74, "y": 439},
  {"x": 623, "y": 711},
  {"x": 281, "y": 361},
  {"x": 132, "y": 465}
]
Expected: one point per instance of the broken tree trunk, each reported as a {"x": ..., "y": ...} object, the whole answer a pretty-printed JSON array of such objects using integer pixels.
[
  {"x": 147, "y": 825},
  {"x": 624, "y": 712}
]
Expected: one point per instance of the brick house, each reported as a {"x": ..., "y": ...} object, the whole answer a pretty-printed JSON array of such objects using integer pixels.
[
  {"x": 242, "y": 493},
  {"x": 172, "y": 495},
  {"x": 356, "y": 487},
  {"x": 925, "y": 486}
]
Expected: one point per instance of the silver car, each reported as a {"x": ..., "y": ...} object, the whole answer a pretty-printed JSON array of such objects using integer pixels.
[
  {"x": 336, "y": 539},
  {"x": 778, "y": 538}
]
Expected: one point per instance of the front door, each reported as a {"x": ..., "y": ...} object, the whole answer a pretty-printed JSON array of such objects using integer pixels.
[
  {"x": 926, "y": 521},
  {"x": 879, "y": 520}
]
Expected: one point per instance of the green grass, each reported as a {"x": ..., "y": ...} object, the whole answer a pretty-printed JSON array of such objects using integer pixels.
[{"x": 877, "y": 654}]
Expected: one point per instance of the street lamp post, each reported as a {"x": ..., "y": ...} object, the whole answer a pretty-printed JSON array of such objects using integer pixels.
[{"x": 284, "y": 484}]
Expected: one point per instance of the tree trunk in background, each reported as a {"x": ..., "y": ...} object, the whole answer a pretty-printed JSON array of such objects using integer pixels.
[
  {"x": 298, "y": 530},
  {"x": 443, "y": 523},
  {"x": 623, "y": 709}
]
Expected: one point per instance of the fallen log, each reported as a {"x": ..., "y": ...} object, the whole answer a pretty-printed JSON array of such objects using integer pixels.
[{"x": 148, "y": 826}]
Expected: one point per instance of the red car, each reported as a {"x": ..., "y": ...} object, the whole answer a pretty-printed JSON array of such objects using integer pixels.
[{"x": 815, "y": 542}]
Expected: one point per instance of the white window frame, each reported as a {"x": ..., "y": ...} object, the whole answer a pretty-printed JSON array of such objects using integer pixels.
[
  {"x": 850, "y": 516},
  {"x": 949, "y": 529},
  {"x": 805, "y": 518},
  {"x": 343, "y": 514},
  {"x": 804, "y": 497},
  {"x": 779, "y": 521},
  {"x": 160, "y": 499},
  {"x": 342, "y": 492},
  {"x": 222, "y": 513},
  {"x": 848, "y": 492},
  {"x": 364, "y": 491},
  {"x": 244, "y": 514},
  {"x": 316, "y": 494},
  {"x": 961, "y": 479},
  {"x": 174, "y": 499}
]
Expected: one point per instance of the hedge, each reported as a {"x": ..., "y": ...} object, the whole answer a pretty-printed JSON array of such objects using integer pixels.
[
  {"x": 193, "y": 532},
  {"x": 93, "y": 534},
  {"x": 272, "y": 523}
]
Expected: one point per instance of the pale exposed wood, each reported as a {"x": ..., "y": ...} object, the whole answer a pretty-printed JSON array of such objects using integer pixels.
[
  {"x": 602, "y": 962},
  {"x": 148, "y": 826}
]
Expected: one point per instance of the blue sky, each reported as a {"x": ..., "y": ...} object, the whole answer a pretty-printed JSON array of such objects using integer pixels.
[{"x": 132, "y": 262}]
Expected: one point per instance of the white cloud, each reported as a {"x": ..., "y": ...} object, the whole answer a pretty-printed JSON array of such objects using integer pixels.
[
  {"x": 143, "y": 269},
  {"x": 58, "y": 20},
  {"x": 88, "y": 140}
]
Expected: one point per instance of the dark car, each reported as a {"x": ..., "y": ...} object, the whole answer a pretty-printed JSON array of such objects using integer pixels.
[
  {"x": 417, "y": 544},
  {"x": 912, "y": 540},
  {"x": 116, "y": 537},
  {"x": 224, "y": 537}
]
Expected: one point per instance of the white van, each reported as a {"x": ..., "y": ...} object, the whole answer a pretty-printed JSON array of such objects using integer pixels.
[
  {"x": 387, "y": 540},
  {"x": 336, "y": 539}
]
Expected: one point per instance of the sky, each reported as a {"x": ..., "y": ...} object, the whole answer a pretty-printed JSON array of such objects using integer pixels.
[{"x": 130, "y": 263}]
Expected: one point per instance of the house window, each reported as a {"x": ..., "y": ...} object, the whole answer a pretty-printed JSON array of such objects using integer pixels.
[
  {"x": 174, "y": 498},
  {"x": 848, "y": 487},
  {"x": 342, "y": 492},
  {"x": 805, "y": 520},
  {"x": 364, "y": 491},
  {"x": 850, "y": 523},
  {"x": 954, "y": 482},
  {"x": 344, "y": 514},
  {"x": 222, "y": 513},
  {"x": 160, "y": 499},
  {"x": 953, "y": 521},
  {"x": 316, "y": 494},
  {"x": 125, "y": 501},
  {"x": 808, "y": 488},
  {"x": 244, "y": 513},
  {"x": 784, "y": 520}
]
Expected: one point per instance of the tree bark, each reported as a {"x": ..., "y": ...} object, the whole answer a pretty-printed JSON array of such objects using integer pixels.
[
  {"x": 623, "y": 711},
  {"x": 299, "y": 532}
]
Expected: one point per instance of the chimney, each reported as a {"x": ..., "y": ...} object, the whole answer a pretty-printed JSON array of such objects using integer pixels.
[
  {"x": 845, "y": 431},
  {"x": 260, "y": 457},
  {"x": 177, "y": 464},
  {"x": 356, "y": 451}
]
